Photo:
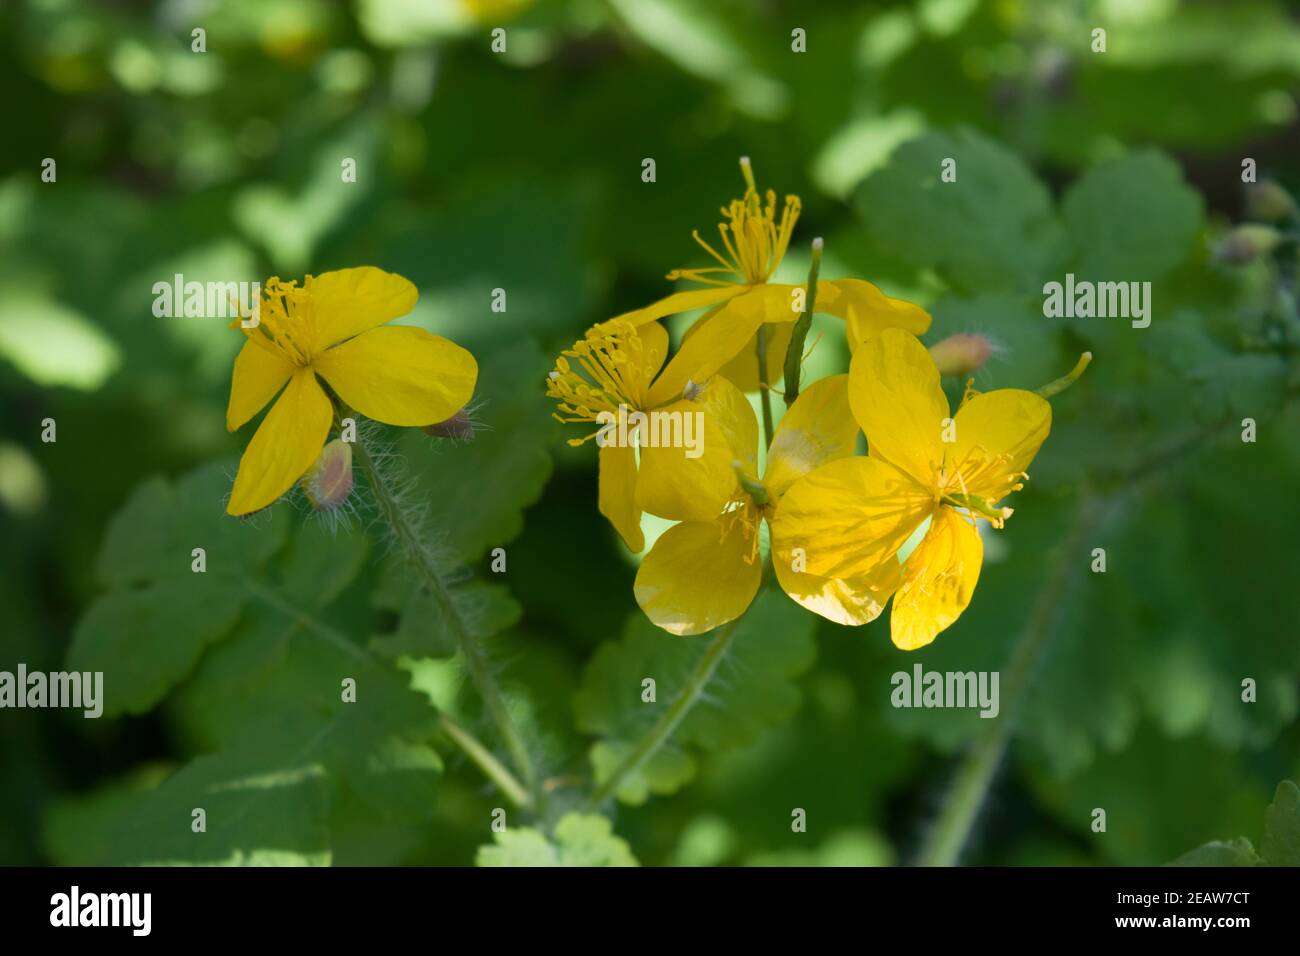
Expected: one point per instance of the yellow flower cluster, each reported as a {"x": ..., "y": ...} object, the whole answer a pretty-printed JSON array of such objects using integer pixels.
[{"x": 837, "y": 520}]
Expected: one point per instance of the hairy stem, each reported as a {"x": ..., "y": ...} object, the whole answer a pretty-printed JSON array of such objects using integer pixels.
[
  {"x": 492, "y": 768},
  {"x": 406, "y": 531},
  {"x": 659, "y": 734}
]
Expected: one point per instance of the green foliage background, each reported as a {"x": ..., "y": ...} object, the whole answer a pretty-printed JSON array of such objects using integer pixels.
[{"x": 522, "y": 171}]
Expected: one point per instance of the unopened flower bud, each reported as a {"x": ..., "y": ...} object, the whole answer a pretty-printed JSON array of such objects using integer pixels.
[
  {"x": 328, "y": 483},
  {"x": 961, "y": 354},
  {"x": 1266, "y": 201},
  {"x": 460, "y": 426},
  {"x": 1246, "y": 243}
]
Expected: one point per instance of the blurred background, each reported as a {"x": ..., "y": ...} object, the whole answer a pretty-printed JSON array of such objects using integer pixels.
[{"x": 522, "y": 170}]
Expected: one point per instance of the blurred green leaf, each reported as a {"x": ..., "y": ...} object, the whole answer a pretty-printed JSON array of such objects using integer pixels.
[
  {"x": 751, "y": 691},
  {"x": 148, "y": 631},
  {"x": 478, "y": 490},
  {"x": 1280, "y": 846},
  {"x": 1281, "y": 843},
  {"x": 1219, "y": 853},
  {"x": 54, "y": 345},
  {"x": 1131, "y": 219},
  {"x": 992, "y": 228},
  {"x": 580, "y": 840},
  {"x": 255, "y": 813}
]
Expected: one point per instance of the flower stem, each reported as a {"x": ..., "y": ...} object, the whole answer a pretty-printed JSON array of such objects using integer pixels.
[
  {"x": 950, "y": 833},
  {"x": 404, "y": 528},
  {"x": 764, "y": 392},
  {"x": 492, "y": 768},
  {"x": 794, "y": 353},
  {"x": 663, "y": 728},
  {"x": 1065, "y": 381}
]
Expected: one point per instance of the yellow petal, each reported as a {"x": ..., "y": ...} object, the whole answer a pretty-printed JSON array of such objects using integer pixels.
[
  {"x": 617, "y": 494},
  {"x": 896, "y": 398},
  {"x": 286, "y": 444},
  {"x": 259, "y": 374},
  {"x": 938, "y": 580},
  {"x": 726, "y": 406},
  {"x": 998, "y": 435},
  {"x": 680, "y": 302},
  {"x": 718, "y": 340},
  {"x": 673, "y": 484},
  {"x": 350, "y": 301},
  {"x": 847, "y": 517},
  {"x": 819, "y": 427},
  {"x": 697, "y": 576},
  {"x": 851, "y": 601},
  {"x": 654, "y": 342},
  {"x": 743, "y": 369},
  {"x": 400, "y": 375},
  {"x": 867, "y": 311}
]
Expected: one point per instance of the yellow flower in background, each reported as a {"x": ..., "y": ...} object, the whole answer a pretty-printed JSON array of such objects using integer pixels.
[
  {"x": 494, "y": 11},
  {"x": 702, "y": 574},
  {"x": 752, "y": 242},
  {"x": 334, "y": 326},
  {"x": 851, "y": 517},
  {"x": 616, "y": 366}
]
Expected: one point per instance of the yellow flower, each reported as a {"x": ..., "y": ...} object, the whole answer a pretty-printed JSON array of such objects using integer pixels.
[
  {"x": 333, "y": 325},
  {"x": 754, "y": 238},
  {"x": 851, "y": 517},
  {"x": 702, "y": 574},
  {"x": 617, "y": 366}
]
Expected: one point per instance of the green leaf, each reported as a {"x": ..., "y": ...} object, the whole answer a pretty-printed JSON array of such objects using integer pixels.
[
  {"x": 857, "y": 847},
  {"x": 477, "y": 491},
  {"x": 1281, "y": 843},
  {"x": 993, "y": 228},
  {"x": 1280, "y": 846},
  {"x": 1132, "y": 219},
  {"x": 147, "y": 633},
  {"x": 1220, "y": 853},
  {"x": 274, "y": 690},
  {"x": 751, "y": 691},
  {"x": 459, "y": 254},
  {"x": 256, "y": 672},
  {"x": 255, "y": 813},
  {"x": 422, "y": 626},
  {"x": 663, "y": 774},
  {"x": 580, "y": 840}
]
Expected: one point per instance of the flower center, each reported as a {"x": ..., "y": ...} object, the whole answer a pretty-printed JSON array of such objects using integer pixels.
[
  {"x": 753, "y": 237},
  {"x": 981, "y": 469},
  {"x": 286, "y": 322},
  {"x": 603, "y": 370},
  {"x": 749, "y": 515}
]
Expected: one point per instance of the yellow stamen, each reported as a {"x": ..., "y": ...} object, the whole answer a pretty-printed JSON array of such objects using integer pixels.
[
  {"x": 609, "y": 369},
  {"x": 286, "y": 321},
  {"x": 754, "y": 238}
]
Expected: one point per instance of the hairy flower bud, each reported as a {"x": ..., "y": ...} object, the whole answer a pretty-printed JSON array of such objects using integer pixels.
[
  {"x": 1246, "y": 243},
  {"x": 460, "y": 426},
  {"x": 1266, "y": 201},
  {"x": 961, "y": 354},
  {"x": 328, "y": 483}
]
